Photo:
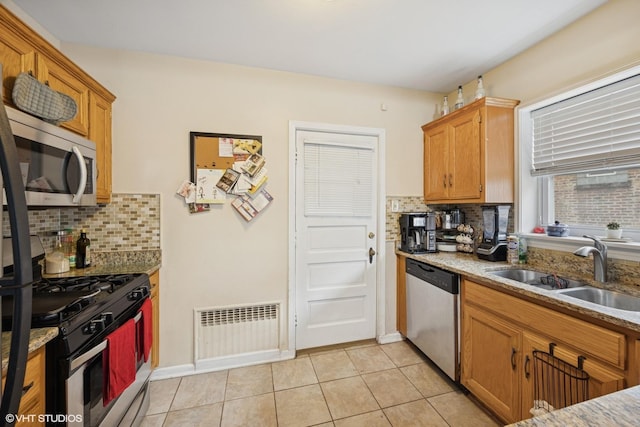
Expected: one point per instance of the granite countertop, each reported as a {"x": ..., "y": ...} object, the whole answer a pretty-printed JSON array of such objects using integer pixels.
[
  {"x": 122, "y": 262},
  {"x": 621, "y": 408},
  {"x": 38, "y": 338},
  {"x": 480, "y": 271},
  {"x": 148, "y": 268}
]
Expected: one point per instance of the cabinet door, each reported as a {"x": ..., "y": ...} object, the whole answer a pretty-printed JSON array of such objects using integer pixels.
[
  {"x": 602, "y": 379},
  {"x": 465, "y": 162},
  {"x": 59, "y": 79},
  {"x": 12, "y": 49},
  {"x": 100, "y": 133},
  {"x": 401, "y": 295},
  {"x": 490, "y": 365},
  {"x": 436, "y": 163}
]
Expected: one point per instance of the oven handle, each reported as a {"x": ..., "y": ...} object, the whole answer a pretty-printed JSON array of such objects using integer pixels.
[{"x": 75, "y": 363}]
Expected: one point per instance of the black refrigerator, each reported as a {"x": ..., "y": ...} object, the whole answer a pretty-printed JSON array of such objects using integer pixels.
[{"x": 17, "y": 284}]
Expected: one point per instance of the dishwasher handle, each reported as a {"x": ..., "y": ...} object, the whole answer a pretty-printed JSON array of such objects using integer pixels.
[{"x": 445, "y": 280}]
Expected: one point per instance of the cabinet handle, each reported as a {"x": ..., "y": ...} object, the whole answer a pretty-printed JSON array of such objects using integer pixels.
[
  {"x": 26, "y": 388},
  {"x": 526, "y": 366},
  {"x": 450, "y": 180},
  {"x": 513, "y": 358},
  {"x": 444, "y": 180}
]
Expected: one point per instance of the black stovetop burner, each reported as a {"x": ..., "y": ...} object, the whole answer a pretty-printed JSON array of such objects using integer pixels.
[
  {"x": 108, "y": 283},
  {"x": 62, "y": 299}
]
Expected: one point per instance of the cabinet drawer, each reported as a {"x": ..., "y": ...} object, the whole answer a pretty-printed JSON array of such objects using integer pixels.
[
  {"x": 154, "y": 280},
  {"x": 592, "y": 340}
]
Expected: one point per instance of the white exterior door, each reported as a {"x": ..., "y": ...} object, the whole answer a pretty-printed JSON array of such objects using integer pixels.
[{"x": 336, "y": 237}]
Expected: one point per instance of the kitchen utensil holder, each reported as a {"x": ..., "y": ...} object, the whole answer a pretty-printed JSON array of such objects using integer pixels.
[{"x": 558, "y": 384}]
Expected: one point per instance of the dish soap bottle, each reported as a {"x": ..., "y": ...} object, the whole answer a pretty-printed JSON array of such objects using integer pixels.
[
  {"x": 83, "y": 252},
  {"x": 512, "y": 249},
  {"x": 460, "y": 100}
]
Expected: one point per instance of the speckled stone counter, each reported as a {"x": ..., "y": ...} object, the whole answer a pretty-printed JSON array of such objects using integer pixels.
[
  {"x": 619, "y": 409},
  {"x": 38, "y": 338},
  {"x": 480, "y": 271},
  {"x": 122, "y": 262}
]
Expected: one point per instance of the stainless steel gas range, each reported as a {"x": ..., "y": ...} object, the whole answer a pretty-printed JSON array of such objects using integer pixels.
[{"x": 87, "y": 311}]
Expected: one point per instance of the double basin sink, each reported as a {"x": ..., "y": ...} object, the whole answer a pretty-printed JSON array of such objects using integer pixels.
[{"x": 572, "y": 288}]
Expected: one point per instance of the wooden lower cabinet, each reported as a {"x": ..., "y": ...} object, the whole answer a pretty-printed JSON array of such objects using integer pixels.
[
  {"x": 32, "y": 404},
  {"x": 155, "y": 303},
  {"x": 500, "y": 333},
  {"x": 401, "y": 295},
  {"x": 490, "y": 369}
]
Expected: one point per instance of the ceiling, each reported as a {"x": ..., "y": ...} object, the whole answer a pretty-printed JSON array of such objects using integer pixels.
[{"x": 432, "y": 45}]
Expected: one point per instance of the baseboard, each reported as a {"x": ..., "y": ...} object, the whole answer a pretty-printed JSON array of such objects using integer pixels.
[
  {"x": 389, "y": 338},
  {"x": 222, "y": 363}
]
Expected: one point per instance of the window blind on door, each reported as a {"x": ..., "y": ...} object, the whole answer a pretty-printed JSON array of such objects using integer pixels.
[
  {"x": 337, "y": 180},
  {"x": 595, "y": 130}
]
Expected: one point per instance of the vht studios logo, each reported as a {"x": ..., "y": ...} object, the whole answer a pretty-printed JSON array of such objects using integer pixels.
[{"x": 43, "y": 418}]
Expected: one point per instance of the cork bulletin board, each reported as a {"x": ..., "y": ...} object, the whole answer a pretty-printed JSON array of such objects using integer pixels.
[{"x": 220, "y": 151}]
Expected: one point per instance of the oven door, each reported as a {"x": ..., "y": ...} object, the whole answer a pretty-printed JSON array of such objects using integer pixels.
[{"x": 84, "y": 391}]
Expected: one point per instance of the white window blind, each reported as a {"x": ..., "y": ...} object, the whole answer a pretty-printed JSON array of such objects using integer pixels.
[
  {"x": 599, "y": 129},
  {"x": 337, "y": 180}
]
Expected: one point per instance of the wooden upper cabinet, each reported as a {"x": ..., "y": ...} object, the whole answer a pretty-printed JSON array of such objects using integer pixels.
[
  {"x": 12, "y": 50},
  {"x": 100, "y": 133},
  {"x": 469, "y": 154},
  {"x": 23, "y": 50},
  {"x": 61, "y": 80}
]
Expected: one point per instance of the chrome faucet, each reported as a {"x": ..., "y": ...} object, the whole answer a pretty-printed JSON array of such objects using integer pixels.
[{"x": 599, "y": 251}]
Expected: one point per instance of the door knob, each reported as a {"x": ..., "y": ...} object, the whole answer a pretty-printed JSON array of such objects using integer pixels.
[
  {"x": 371, "y": 254},
  {"x": 372, "y": 234}
]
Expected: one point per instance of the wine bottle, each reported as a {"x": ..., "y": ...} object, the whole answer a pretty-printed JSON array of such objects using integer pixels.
[
  {"x": 460, "y": 100},
  {"x": 83, "y": 253},
  {"x": 480, "y": 93},
  {"x": 445, "y": 106}
]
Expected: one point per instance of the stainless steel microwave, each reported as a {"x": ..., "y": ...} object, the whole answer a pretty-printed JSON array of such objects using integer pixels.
[{"x": 58, "y": 167}]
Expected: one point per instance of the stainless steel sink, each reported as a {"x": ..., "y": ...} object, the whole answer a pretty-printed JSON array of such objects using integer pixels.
[
  {"x": 538, "y": 278},
  {"x": 604, "y": 297}
]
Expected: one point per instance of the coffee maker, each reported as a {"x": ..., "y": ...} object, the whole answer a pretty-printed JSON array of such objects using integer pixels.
[
  {"x": 418, "y": 232},
  {"x": 493, "y": 246}
]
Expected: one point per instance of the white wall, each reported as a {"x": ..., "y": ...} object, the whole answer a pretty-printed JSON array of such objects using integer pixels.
[{"x": 215, "y": 258}]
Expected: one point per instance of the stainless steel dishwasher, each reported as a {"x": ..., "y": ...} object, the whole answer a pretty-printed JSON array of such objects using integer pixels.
[{"x": 432, "y": 314}]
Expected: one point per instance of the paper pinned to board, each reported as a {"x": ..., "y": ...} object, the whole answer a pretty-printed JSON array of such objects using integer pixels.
[
  {"x": 249, "y": 207},
  {"x": 206, "y": 189}
]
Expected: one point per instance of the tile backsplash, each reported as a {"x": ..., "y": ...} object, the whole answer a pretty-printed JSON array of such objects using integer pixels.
[
  {"x": 472, "y": 212},
  {"x": 131, "y": 222}
]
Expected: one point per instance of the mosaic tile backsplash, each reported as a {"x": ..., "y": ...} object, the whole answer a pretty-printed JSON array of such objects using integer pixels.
[{"x": 131, "y": 222}]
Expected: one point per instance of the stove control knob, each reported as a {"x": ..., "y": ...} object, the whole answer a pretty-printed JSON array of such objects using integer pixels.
[
  {"x": 96, "y": 325},
  {"x": 136, "y": 295},
  {"x": 107, "y": 318}
]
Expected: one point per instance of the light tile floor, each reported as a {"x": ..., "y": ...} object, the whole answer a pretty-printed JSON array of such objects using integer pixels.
[{"x": 356, "y": 385}]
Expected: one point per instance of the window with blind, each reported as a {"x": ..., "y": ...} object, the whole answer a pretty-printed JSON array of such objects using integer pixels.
[{"x": 584, "y": 156}]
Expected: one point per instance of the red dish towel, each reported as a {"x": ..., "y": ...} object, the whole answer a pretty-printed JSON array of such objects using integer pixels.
[
  {"x": 119, "y": 361},
  {"x": 145, "y": 331}
]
